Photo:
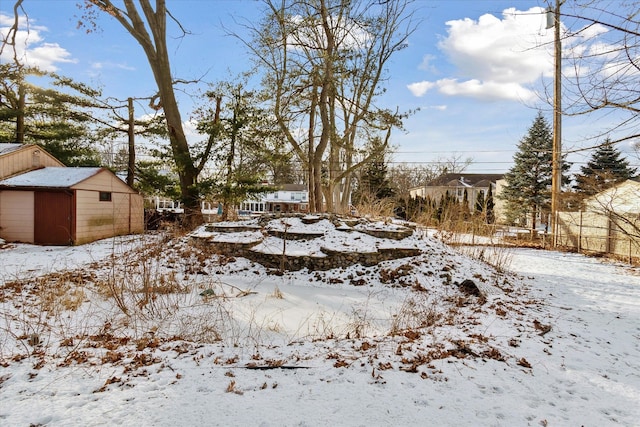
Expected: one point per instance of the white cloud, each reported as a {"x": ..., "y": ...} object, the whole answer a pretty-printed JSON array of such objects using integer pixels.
[
  {"x": 426, "y": 63},
  {"x": 592, "y": 31},
  {"x": 495, "y": 58},
  {"x": 438, "y": 107},
  {"x": 501, "y": 50},
  {"x": 47, "y": 55},
  {"x": 420, "y": 88},
  {"x": 107, "y": 65},
  {"x": 487, "y": 90},
  {"x": 474, "y": 88},
  {"x": 30, "y": 48}
]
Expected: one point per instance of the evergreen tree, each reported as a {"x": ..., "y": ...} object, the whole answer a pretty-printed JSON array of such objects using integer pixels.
[
  {"x": 442, "y": 206},
  {"x": 490, "y": 216},
  {"x": 152, "y": 180},
  {"x": 234, "y": 144},
  {"x": 480, "y": 203},
  {"x": 464, "y": 207},
  {"x": 528, "y": 189},
  {"x": 373, "y": 183},
  {"x": 605, "y": 169},
  {"x": 57, "y": 118}
]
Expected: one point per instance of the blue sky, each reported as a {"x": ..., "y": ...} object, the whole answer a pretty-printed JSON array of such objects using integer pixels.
[{"x": 476, "y": 69}]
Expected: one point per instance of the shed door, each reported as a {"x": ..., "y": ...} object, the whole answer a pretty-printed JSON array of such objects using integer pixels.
[{"x": 52, "y": 218}]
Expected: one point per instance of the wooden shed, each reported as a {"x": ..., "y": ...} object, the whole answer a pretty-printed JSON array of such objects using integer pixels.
[
  {"x": 68, "y": 206},
  {"x": 20, "y": 158}
]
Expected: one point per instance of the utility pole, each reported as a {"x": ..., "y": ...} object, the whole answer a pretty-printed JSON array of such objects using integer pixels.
[
  {"x": 131, "y": 164},
  {"x": 556, "y": 178}
]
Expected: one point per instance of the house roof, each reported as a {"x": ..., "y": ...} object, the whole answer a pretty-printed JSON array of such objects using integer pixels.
[
  {"x": 6, "y": 148},
  {"x": 465, "y": 179},
  {"x": 51, "y": 177},
  {"x": 293, "y": 187}
]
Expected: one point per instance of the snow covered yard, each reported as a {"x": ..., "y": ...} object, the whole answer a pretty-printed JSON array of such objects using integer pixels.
[{"x": 170, "y": 334}]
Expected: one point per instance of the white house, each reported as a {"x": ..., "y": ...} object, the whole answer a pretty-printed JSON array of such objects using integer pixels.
[{"x": 287, "y": 199}]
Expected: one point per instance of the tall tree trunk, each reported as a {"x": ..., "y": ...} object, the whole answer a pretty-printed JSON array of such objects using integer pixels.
[
  {"x": 155, "y": 48},
  {"x": 534, "y": 214},
  {"x": 229, "y": 165}
]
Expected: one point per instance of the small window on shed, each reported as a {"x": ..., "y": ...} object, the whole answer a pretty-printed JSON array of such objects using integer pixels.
[{"x": 105, "y": 196}]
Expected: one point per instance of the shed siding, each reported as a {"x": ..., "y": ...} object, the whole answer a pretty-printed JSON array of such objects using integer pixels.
[
  {"x": 26, "y": 159},
  {"x": 97, "y": 219},
  {"x": 16, "y": 216},
  {"x": 136, "y": 213},
  {"x": 104, "y": 181}
]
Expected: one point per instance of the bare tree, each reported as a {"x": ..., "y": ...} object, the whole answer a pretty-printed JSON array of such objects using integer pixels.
[
  {"x": 602, "y": 40},
  {"x": 324, "y": 63},
  {"x": 148, "y": 26}
]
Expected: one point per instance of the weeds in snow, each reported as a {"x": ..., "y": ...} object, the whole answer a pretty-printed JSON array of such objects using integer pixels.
[{"x": 417, "y": 312}]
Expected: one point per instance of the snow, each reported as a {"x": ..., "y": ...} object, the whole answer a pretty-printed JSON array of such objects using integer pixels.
[
  {"x": 9, "y": 147},
  {"x": 56, "y": 177},
  {"x": 557, "y": 341}
]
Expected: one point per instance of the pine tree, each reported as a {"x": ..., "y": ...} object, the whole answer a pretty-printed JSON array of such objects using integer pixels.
[
  {"x": 480, "y": 203},
  {"x": 605, "y": 169},
  {"x": 464, "y": 206},
  {"x": 490, "y": 216},
  {"x": 528, "y": 189},
  {"x": 236, "y": 140},
  {"x": 373, "y": 184},
  {"x": 53, "y": 111}
]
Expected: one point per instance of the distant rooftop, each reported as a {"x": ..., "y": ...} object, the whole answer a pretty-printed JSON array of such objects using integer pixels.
[
  {"x": 468, "y": 179},
  {"x": 293, "y": 187}
]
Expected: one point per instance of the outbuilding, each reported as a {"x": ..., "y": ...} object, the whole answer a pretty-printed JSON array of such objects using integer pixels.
[
  {"x": 20, "y": 158},
  {"x": 68, "y": 206}
]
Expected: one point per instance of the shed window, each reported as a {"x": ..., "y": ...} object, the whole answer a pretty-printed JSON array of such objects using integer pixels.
[{"x": 105, "y": 196}]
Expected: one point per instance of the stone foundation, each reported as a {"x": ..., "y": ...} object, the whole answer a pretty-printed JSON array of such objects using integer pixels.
[{"x": 331, "y": 259}]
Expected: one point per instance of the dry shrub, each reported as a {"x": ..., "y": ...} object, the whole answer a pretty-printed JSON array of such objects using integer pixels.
[
  {"x": 497, "y": 256},
  {"x": 277, "y": 293},
  {"x": 137, "y": 280},
  {"x": 416, "y": 312},
  {"x": 359, "y": 325},
  {"x": 73, "y": 299},
  {"x": 376, "y": 208},
  {"x": 231, "y": 388},
  {"x": 61, "y": 291}
]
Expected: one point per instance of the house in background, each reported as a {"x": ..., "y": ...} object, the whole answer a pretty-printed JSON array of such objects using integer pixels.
[
  {"x": 456, "y": 184},
  {"x": 289, "y": 198},
  {"x": 21, "y": 158},
  {"x": 68, "y": 206}
]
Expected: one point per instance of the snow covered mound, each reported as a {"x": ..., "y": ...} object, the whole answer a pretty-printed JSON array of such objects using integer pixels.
[{"x": 318, "y": 243}]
